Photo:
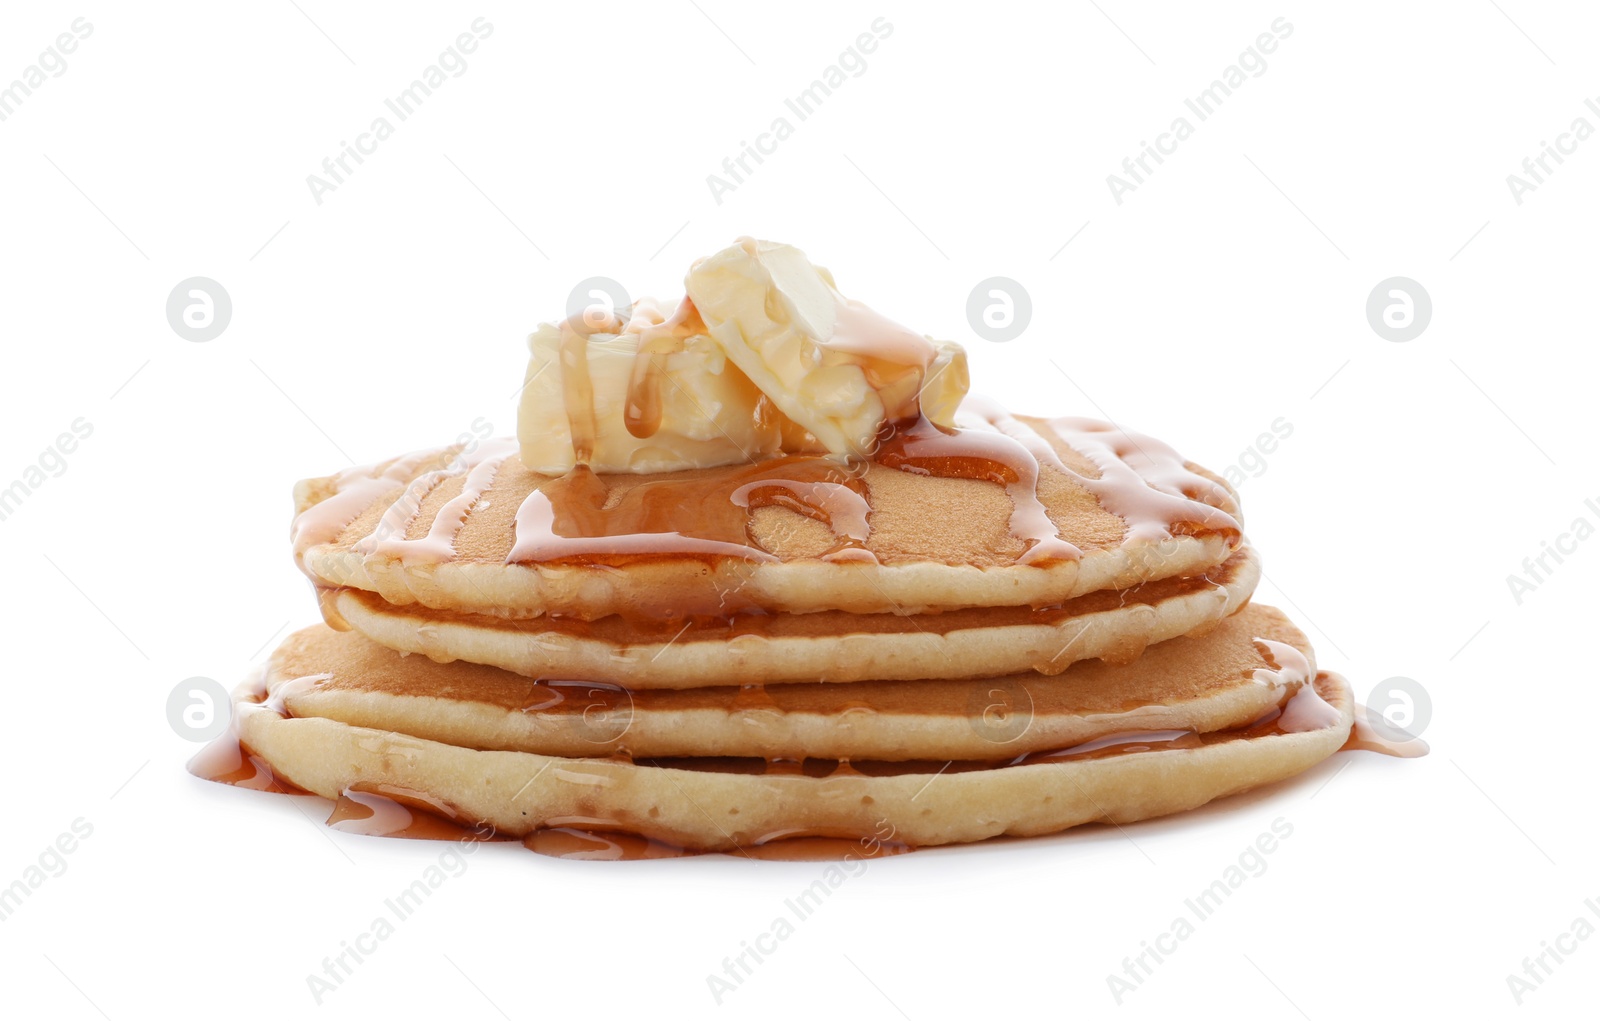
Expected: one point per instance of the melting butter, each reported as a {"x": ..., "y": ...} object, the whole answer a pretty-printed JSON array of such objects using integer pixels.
[
  {"x": 763, "y": 357},
  {"x": 832, "y": 365}
]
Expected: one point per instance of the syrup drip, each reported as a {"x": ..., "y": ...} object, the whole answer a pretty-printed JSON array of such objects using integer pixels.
[
  {"x": 805, "y": 847},
  {"x": 386, "y": 810},
  {"x": 581, "y": 698},
  {"x": 752, "y": 700},
  {"x": 328, "y": 604},
  {"x": 568, "y": 517},
  {"x": 925, "y": 449},
  {"x": 355, "y": 490},
  {"x": 1112, "y": 745},
  {"x": 399, "y": 515},
  {"x": 658, "y": 338},
  {"x": 1364, "y": 737},
  {"x": 1303, "y": 709},
  {"x": 605, "y": 844},
  {"x": 707, "y": 515},
  {"x": 842, "y": 506},
  {"x": 1296, "y": 715},
  {"x": 730, "y": 621},
  {"x": 227, "y": 761},
  {"x": 862, "y": 332},
  {"x": 438, "y": 545},
  {"x": 577, "y": 390},
  {"x": 1142, "y": 480},
  {"x": 278, "y": 701},
  {"x": 599, "y": 845},
  {"x": 894, "y": 359}
]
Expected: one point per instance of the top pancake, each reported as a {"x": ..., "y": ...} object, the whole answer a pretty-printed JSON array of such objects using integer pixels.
[{"x": 1002, "y": 512}]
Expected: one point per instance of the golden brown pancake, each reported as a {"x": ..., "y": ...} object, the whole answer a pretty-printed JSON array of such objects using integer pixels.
[
  {"x": 828, "y": 645},
  {"x": 1240, "y": 671},
  {"x": 1007, "y": 512},
  {"x": 725, "y": 804}
]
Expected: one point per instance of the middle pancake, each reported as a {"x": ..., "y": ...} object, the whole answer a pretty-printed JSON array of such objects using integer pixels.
[
  {"x": 1240, "y": 671},
  {"x": 827, "y": 646}
]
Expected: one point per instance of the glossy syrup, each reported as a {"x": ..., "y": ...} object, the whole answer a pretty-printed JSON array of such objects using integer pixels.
[
  {"x": 586, "y": 518},
  {"x": 374, "y": 809},
  {"x": 384, "y": 810},
  {"x": 1364, "y": 737},
  {"x": 575, "y": 518},
  {"x": 582, "y": 518},
  {"x": 225, "y": 760}
]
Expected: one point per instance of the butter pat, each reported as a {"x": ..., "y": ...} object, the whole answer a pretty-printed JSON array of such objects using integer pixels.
[
  {"x": 764, "y": 357},
  {"x": 709, "y": 409},
  {"x": 833, "y": 366}
]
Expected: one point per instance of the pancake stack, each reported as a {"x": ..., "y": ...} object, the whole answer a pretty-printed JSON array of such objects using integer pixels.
[
  {"x": 988, "y": 625},
  {"x": 937, "y": 684}
]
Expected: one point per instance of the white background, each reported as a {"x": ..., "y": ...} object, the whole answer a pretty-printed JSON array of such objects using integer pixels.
[{"x": 1227, "y": 291}]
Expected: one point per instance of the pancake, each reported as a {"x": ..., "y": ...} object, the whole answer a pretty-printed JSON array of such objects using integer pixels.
[
  {"x": 1004, "y": 511},
  {"x": 828, "y": 645},
  {"x": 728, "y": 804},
  {"x": 1246, "y": 667}
]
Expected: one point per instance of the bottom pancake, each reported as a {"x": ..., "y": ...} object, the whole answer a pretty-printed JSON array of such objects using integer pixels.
[
  {"x": 1246, "y": 666},
  {"x": 726, "y": 805}
]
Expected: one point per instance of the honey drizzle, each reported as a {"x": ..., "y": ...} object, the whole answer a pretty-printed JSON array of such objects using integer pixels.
[
  {"x": 1147, "y": 483},
  {"x": 1364, "y": 737},
  {"x": 227, "y": 761},
  {"x": 585, "y": 844},
  {"x": 1296, "y": 715},
  {"x": 355, "y": 490},
  {"x": 924, "y": 448},
  {"x": 564, "y": 519},
  {"x": 895, "y": 359},
  {"x": 385, "y": 810},
  {"x": 438, "y": 545},
  {"x": 1289, "y": 671},
  {"x": 865, "y": 333},
  {"x": 658, "y": 338},
  {"x": 567, "y": 518},
  {"x": 842, "y": 506},
  {"x": 397, "y": 517},
  {"x": 577, "y": 390}
]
